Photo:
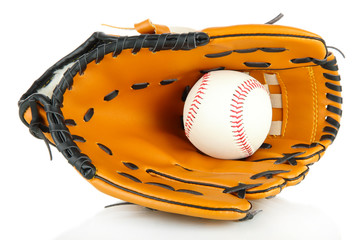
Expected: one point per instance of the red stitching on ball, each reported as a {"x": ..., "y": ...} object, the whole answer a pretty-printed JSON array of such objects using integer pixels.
[
  {"x": 236, "y": 116},
  {"x": 238, "y": 99},
  {"x": 194, "y": 106},
  {"x": 236, "y": 112}
]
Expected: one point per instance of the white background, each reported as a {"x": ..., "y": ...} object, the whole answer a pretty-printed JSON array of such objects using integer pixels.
[{"x": 40, "y": 199}]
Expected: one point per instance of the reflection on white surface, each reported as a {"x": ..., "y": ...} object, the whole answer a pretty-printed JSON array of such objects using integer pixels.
[{"x": 279, "y": 219}]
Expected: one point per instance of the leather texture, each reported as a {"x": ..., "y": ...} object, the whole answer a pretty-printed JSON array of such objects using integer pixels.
[{"x": 124, "y": 113}]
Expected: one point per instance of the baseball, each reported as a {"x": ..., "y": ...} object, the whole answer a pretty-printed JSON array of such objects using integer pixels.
[{"x": 227, "y": 114}]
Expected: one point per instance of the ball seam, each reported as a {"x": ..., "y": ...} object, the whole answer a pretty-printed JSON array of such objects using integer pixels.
[
  {"x": 238, "y": 99},
  {"x": 194, "y": 106}
]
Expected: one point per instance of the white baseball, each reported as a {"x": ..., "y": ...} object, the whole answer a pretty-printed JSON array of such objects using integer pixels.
[{"x": 227, "y": 114}]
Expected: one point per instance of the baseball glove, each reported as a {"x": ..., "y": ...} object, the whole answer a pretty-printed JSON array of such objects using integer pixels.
[{"x": 113, "y": 107}]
